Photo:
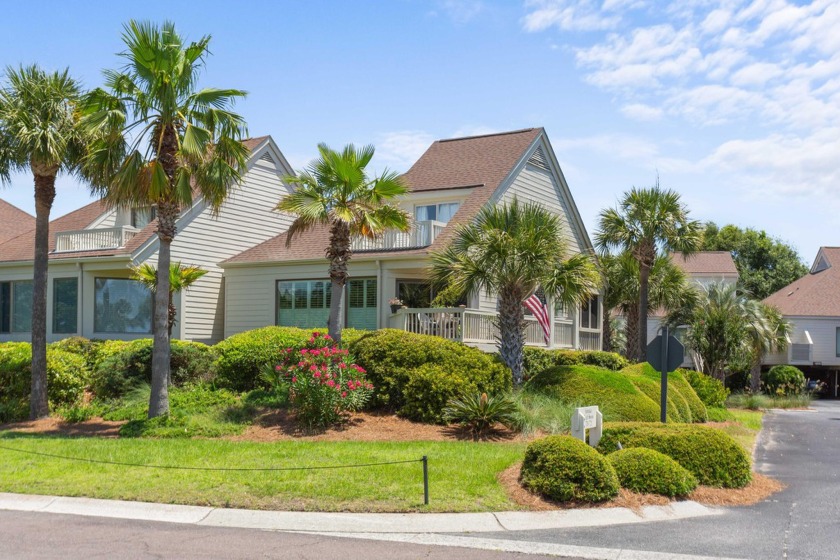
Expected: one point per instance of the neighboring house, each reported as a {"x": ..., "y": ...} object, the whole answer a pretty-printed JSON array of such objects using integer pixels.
[
  {"x": 13, "y": 221},
  {"x": 273, "y": 283},
  {"x": 91, "y": 249},
  {"x": 812, "y": 306}
]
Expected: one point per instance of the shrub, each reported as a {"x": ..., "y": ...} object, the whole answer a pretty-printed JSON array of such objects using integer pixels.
[
  {"x": 416, "y": 375},
  {"x": 564, "y": 468},
  {"x": 676, "y": 410},
  {"x": 783, "y": 381},
  {"x": 121, "y": 367},
  {"x": 711, "y": 391},
  {"x": 243, "y": 356},
  {"x": 67, "y": 378},
  {"x": 322, "y": 384},
  {"x": 480, "y": 412},
  {"x": 536, "y": 360},
  {"x": 611, "y": 391},
  {"x": 88, "y": 349},
  {"x": 650, "y": 472},
  {"x": 677, "y": 385},
  {"x": 711, "y": 455}
]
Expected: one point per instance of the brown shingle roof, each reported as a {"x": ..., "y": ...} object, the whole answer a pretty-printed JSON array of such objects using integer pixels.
[
  {"x": 815, "y": 294},
  {"x": 13, "y": 221},
  {"x": 706, "y": 262},
  {"x": 478, "y": 162}
]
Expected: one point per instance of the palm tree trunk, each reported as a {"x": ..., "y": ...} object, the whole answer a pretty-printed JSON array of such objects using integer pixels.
[
  {"x": 755, "y": 377},
  {"x": 338, "y": 254},
  {"x": 159, "y": 400},
  {"x": 631, "y": 332},
  {"x": 606, "y": 328},
  {"x": 644, "y": 281},
  {"x": 512, "y": 331},
  {"x": 44, "y": 197}
]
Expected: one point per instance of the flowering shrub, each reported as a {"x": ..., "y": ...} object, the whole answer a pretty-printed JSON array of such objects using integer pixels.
[{"x": 322, "y": 381}]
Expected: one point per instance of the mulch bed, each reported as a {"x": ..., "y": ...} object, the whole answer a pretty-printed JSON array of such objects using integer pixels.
[{"x": 58, "y": 427}]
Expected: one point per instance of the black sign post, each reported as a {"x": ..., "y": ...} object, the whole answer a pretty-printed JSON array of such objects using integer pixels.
[{"x": 665, "y": 353}]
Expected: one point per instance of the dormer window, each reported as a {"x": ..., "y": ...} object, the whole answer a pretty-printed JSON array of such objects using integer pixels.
[
  {"x": 141, "y": 217},
  {"x": 437, "y": 212}
]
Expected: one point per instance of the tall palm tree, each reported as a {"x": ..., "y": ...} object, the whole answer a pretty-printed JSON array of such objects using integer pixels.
[
  {"x": 511, "y": 250},
  {"x": 647, "y": 222},
  {"x": 40, "y": 133},
  {"x": 335, "y": 191},
  {"x": 767, "y": 331},
  {"x": 164, "y": 142},
  {"x": 180, "y": 278}
]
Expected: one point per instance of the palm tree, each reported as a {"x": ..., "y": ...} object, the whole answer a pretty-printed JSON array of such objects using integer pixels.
[
  {"x": 767, "y": 331},
  {"x": 647, "y": 222},
  {"x": 335, "y": 191},
  {"x": 163, "y": 143},
  {"x": 511, "y": 250},
  {"x": 180, "y": 278},
  {"x": 40, "y": 132}
]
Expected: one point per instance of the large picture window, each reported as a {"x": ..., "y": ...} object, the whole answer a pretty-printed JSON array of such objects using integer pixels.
[
  {"x": 122, "y": 306},
  {"x": 65, "y": 305},
  {"x": 303, "y": 303},
  {"x": 16, "y": 306}
]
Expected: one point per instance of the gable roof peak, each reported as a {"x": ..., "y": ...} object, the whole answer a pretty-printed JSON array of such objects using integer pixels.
[{"x": 488, "y": 135}]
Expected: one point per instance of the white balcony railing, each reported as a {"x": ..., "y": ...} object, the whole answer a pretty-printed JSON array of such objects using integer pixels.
[
  {"x": 421, "y": 234},
  {"x": 93, "y": 239}
]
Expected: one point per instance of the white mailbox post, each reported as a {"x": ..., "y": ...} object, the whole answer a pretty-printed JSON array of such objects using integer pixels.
[{"x": 588, "y": 418}]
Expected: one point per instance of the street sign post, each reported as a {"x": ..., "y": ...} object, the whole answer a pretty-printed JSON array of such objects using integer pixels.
[{"x": 665, "y": 353}]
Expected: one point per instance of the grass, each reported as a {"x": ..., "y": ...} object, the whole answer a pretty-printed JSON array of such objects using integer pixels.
[
  {"x": 539, "y": 412},
  {"x": 743, "y": 425},
  {"x": 462, "y": 475},
  {"x": 759, "y": 402}
]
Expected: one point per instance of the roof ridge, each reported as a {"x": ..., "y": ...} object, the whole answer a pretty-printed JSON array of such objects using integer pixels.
[{"x": 520, "y": 131}]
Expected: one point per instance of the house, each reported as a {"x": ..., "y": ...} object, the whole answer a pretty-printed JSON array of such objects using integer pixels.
[
  {"x": 13, "y": 221},
  {"x": 812, "y": 306},
  {"x": 91, "y": 249},
  {"x": 273, "y": 283}
]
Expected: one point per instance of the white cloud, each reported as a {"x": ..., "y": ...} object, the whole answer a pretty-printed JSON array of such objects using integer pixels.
[
  {"x": 399, "y": 150},
  {"x": 642, "y": 112},
  {"x": 566, "y": 15},
  {"x": 460, "y": 11},
  {"x": 617, "y": 146}
]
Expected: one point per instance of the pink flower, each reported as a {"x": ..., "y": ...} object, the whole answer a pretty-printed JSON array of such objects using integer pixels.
[
  {"x": 278, "y": 368},
  {"x": 342, "y": 365},
  {"x": 304, "y": 351},
  {"x": 294, "y": 379},
  {"x": 344, "y": 394},
  {"x": 330, "y": 383},
  {"x": 317, "y": 374}
]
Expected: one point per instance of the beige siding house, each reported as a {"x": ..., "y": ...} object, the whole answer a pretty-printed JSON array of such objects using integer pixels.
[
  {"x": 273, "y": 283},
  {"x": 91, "y": 249},
  {"x": 812, "y": 306}
]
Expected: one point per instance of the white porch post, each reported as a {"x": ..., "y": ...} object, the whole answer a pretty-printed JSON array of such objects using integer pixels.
[
  {"x": 550, "y": 303},
  {"x": 576, "y": 327}
]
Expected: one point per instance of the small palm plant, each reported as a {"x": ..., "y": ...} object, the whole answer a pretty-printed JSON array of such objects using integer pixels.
[
  {"x": 480, "y": 412},
  {"x": 180, "y": 278}
]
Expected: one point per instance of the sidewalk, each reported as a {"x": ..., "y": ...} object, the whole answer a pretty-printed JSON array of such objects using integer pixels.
[{"x": 337, "y": 523}]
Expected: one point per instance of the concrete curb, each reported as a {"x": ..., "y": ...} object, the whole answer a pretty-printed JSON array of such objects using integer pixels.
[{"x": 346, "y": 523}]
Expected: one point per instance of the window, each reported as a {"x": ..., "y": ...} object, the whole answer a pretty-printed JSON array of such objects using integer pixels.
[
  {"x": 361, "y": 303},
  {"x": 16, "y": 306},
  {"x": 121, "y": 306},
  {"x": 589, "y": 314},
  {"x": 414, "y": 293},
  {"x": 141, "y": 217},
  {"x": 438, "y": 212},
  {"x": 303, "y": 303},
  {"x": 65, "y": 305}
]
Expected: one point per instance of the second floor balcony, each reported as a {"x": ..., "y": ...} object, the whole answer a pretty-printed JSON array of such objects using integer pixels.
[
  {"x": 422, "y": 233},
  {"x": 93, "y": 239}
]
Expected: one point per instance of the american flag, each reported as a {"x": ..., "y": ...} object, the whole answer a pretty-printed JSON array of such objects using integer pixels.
[{"x": 540, "y": 311}]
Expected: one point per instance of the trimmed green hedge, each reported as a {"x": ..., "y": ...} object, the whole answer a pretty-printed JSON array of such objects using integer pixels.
[
  {"x": 415, "y": 375},
  {"x": 677, "y": 409},
  {"x": 711, "y": 455},
  {"x": 783, "y": 380},
  {"x": 121, "y": 366},
  {"x": 650, "y": 472},
  {"x": 537, "y": 360},
  {"x": 678, "y": 388},
  {"x": 711, "y": 391},
  {"x": 563, "y": 468},
  {"x": 614, "y": 393}
]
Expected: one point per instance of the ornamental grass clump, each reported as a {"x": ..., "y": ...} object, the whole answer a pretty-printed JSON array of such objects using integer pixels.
[{"x": 322, "y": 381}]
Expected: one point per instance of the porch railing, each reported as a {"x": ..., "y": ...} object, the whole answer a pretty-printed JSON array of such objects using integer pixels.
[
  {"x": 421, "y": 234},
  {"x": 93, "y": 239}
]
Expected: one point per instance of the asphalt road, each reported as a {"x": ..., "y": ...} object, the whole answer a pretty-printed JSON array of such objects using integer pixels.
[{"x": 801, "y": 449}]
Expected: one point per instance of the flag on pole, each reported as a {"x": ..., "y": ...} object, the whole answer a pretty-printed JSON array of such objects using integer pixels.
[{"x": 540, "y": 311}]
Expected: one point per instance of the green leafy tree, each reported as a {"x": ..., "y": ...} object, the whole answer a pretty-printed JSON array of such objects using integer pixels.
[
  {"x": 767, "y": 331},
  {"x": 511, "y": 250},
  {"x": 40, "y": 133},
  {"x": 335, "y": 191},
  {"x": 164, "y": 142},
  {"x": 646, "y": 223},
  {"x": 765, "y": 264},
  {"x": 180, "y": 278}
]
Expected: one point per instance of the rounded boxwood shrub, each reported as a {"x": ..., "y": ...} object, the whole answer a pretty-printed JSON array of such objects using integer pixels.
[
  {"x": 563, "y": 468},
  {"x": 711, "y": 391},
  {"x": 415, "y": 375},
  {"x": 537, "y": 360},
  {"x": 784, "y": 380},
  {"x": 677, "y": 409},
  {"x": 613, "y": 392},
  {"x": 677, "y": 385},
  {"x": 711, "y": 455},
  {"x": 122, "y": 367},
  {"x": 650, "y": 472},
  {"x": 84, "y": 347}
]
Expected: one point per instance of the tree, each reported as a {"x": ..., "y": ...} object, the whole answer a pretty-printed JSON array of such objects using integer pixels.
[
  {"x": 193, "y": 148},
  {"x": 511, "y": 250},
  {"x": 647, "y": 222},
  {"x": 669, "y": 291},
  {"x": 767, "y": 331},
  {"x": 765, "y": 264},
  {"x": 335, "y": 191},
  {"x": 180, "y": 278},
  {"x": 40, "y": 133}
]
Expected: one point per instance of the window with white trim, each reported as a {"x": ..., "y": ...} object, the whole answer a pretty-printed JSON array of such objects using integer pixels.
[{"x": 437, "y": 212}]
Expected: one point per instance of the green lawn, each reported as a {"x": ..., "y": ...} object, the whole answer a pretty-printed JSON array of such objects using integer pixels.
[
  {"x": 743, "y": 425},
  {"x": 462, "y": 475}
]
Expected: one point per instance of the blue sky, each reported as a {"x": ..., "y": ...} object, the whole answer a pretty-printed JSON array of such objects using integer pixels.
[{"x": 736, "y": 105}]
